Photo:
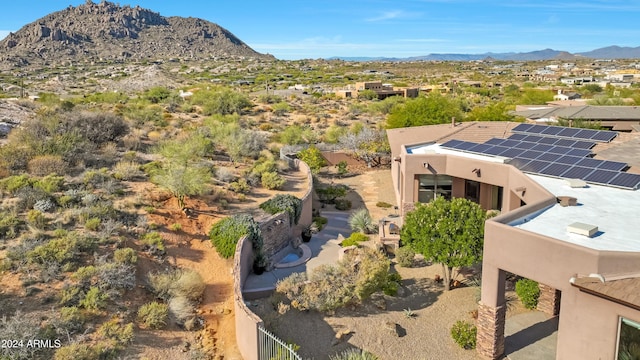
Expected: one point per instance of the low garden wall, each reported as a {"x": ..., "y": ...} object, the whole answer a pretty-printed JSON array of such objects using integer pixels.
[
  {"x": 276, "y": 233},
  {"x": 247, "y": 322}
]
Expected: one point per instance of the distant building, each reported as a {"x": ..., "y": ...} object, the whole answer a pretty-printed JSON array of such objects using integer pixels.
[{"x": 382, "y": 90}]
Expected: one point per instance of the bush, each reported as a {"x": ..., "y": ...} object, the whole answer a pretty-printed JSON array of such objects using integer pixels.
[
  {"x": 10, "y": 225},
  {"x": 44, "y": 205},
  {"x": 320, "y": 222},
  {"x": 71, "y": 295},
  {"x": 284, "y": 202},
  {"x": 225, "y": 234},
  {"x": 20, "y": 327},
  {"x": 77, "y": 351},
  {"x": 112, "y": 276},
  {"x": 329, "y": 194},
  {"x": 14, "y": 183},
  {"x": 225, "y": 175},
  {"x": 241, "y": 186},
  {"x": 153, "y": 240},
  {"x": 50, "y": 183},
  {"x": 464, "y": 334},
  {"x": 29, "y": 196},
  {"x": 177, "y": 283},
  {"x": 343, "y": 204},
  {"x": 71, "y": 319},
  {"x": 361, "y": 221},
  {"x": 272, "y": 180},
  {"x": 94, "y": 300},
  {"x": 354, "y": 239},
  {"x": 405, "y": 256},
  {"x": 125, "y": 256},
  {"x": 384, "y": 205},
  {"x": 153, "y": 315},
  {"x": 127, "y": 170},
  {"x": 92, "y": 224},
  {"x": 528, "y": 292},
  {"x": 183, "y": 311},
  {"x": 116, "y": 331},
  {"x": 61, "y": 251},
  {"x": 354, "y": 354},
  {"x": 46, "y": 164}
]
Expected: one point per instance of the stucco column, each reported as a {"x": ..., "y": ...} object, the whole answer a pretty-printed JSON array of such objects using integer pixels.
[
  {"x": 549, "y": 300},
  {"x": 491, "y": 313}
]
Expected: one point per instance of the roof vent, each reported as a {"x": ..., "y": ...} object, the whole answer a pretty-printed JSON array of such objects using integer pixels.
[
  {"x": 567, "y": 201},
  {"x": 576, "y": 183},
  {"x": 582, "y": 229}
]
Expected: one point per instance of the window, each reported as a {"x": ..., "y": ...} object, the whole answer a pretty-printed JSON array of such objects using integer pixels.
[
  {"x": 628, "y": 340},
  {"x": 472, "y": 190},
  {"x": 430, "y": 186},
  {"x": 496, "y": 198}
]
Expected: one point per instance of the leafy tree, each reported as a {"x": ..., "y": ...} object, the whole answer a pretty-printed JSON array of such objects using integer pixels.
[
  {"x": 368, "y": 145},
  {"x": 492, "y": 112},
  {"x": 333, "y": 134},
  {"x": 183, "y": 181},
  {"x": 536, "y": 97},
  {"x": 429, "y": 110},
  {"x": 292, "y": 135},
  {"x": 312, "y": 157},
  {"x": 221, "y": 101},
  {"x": 185, "y": 150},
  {"x": 367, "y": 94},
  {"x": 448, "y": 232}
]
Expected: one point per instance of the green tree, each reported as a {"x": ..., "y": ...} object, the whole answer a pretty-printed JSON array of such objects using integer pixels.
[
  {"x": 157, "y": 94},
  {"x": 221, "y": 101},
  {"x": 312, "y": 157},
  {"x": 182, "y": 180},
  {"x": 447, "y": 232},
  {"x": 492, "y": 112},
  {"x": 429, "y": 110},
  {"x": 536, "y": 97},
  {"x": 367, "y": 94},
  {"x": 368, "y": 144}
]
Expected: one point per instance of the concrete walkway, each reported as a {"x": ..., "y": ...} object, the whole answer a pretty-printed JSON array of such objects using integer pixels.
[
  {"x": 531, "y": 336},
  {"x": 324, "y": 250}
]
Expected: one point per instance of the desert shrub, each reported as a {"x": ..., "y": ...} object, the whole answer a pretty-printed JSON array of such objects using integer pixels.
[
  {"x": 175, "y": 227},
  {"x": 153, "y": 315},
  {"x": 85, "y": 275},
  {"x": 153, "y": 240},
  {"x": 10, "y": 225},
  {"x": 14, "y": 183},
  {"x": 320, "y": 222},
  {"x": 77, "y": 351},
  {"x": 343, "y": 204},
  {"x": 351, "y": 280},
  {"x": 29, "y": 196},
  {"x": 70, "y": 319},
  {"x": 95, "y": 179},
  {"x": 240, "y": 186},
  {"x": 61, "y": 251},
  {"x": 44, "y": 205},
  {"x": 354, "y": 354},
  {"x": 19, "y": 327},
  {"x": 384, "y": 205},
  {"x": 177, "y": 283},
  {"x": 50, "y": 183},
  {"x": 405, "y": 256},
  {"x": 225, "y": 174},
  {"x": 70, "y": 295},
  {"x": 313, "y": 157},
  {"x": 96, "y": 127},
  {"x": 46, "y": 164},
  {"x": 528, "y": 292},
  {"x": 116, "y": 276},
  {"x": 354, "y": 239},
  {"x": 127, "y": 170},
  {"x": 272, "y": 180},
  {"x": 329, "y": 194},
  {"x": 92, "y": 224},
  {"x": 94, "y": 300},
  {"x": 464, "y": 334},
  {"x": 361, "y": 221},
  {"x": 125, "y": 256},
  {"x": 114, "y": 330},
  {"x": 182, "y": 310},
  {"x": 284, "y": 203},
  {"x": 225, "y": 234}
]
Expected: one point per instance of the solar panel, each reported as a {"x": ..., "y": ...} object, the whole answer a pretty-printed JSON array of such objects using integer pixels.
[
  {"x": 585, "y": 134},
  {"x": 466, "y": 145},
  {"x": 568, "y": 132},
  {"x": 583, "y": 144},
  {"x": 535, "y": 129},
  {"x": 555, "y": 169},
  {"x": 534, "y": 138},
  {"x": 511, "y": 143},
  {"x": 604, "y": 136},
  {"x": 601, "y": 176},
  {"x": 569, "y": 160},
  {"x": 480, "y": 148},
  {"x": 519, "y": 163},
  {"x": 494, "y": 141},
  {"x": 563, "y": 150},
  {"x": 512, "y": 153},
  {"x": 626, "y": 180},
  {"x": 530, "y": 154},
  {"x": 577, "y": 172},
  {"x": 549, "y": 157},
  {"x": 496, "y": 150},
  {"x": 551, "y": 130},
  {"x": 579, "y": 152},
  {"x": 542, "y": 147},
  {"x": 548, "y": 140},
  {"x": 589, "y": 162},
  {"x": 612, "y": 165},
  {"x": 535, "y": 166},
  {"x": 565, "y": 142},
  {"x": 452, "y": 144},
  {"x": 522, "y": 127},
  {"x": 517, "y": 137}
]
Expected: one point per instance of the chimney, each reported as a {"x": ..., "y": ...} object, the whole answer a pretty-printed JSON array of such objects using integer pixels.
[{"x": 453, "y": 121}]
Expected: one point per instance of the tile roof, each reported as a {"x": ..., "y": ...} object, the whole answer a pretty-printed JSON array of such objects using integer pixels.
[{"x": 623, "y": 291}]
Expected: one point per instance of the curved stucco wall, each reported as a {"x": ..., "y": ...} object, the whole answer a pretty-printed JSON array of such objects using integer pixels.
[{"x": 247, "y": 322}]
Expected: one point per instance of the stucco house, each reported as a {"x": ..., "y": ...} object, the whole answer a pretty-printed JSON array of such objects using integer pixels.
[{"x": 567, "y": 221}]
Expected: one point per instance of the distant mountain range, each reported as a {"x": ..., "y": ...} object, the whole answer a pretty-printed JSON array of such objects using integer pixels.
[
  {"x": 609, "y": 52},
  {"x": 108, "y": 31}
]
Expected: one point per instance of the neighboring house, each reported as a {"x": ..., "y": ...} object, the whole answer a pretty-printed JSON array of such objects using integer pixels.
[
  {"x": 577, "y": 238},
  {"x": 382, "y": 90},
  {"x": 619, "y": 118},
  {"x": 562, "y": 96}
]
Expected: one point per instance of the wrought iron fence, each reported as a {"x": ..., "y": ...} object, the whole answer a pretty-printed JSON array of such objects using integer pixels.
[{"x": 272, "y": 348}]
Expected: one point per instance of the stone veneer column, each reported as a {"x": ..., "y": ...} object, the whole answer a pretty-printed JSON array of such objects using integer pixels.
[
  {"x": 490, "y": 340},
  {"x": 549, "y": 300}
]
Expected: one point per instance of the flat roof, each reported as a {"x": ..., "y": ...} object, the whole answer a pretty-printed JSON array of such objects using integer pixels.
[
  {"x": 612, "y": 210},
  {"x": 432, "y": 148}
]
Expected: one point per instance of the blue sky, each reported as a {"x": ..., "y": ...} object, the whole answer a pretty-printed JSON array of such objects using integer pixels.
[{"x": 325, "y": 28}]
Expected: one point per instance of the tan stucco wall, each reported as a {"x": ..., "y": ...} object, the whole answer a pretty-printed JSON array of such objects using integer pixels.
[{"x": 246, "y": 321}]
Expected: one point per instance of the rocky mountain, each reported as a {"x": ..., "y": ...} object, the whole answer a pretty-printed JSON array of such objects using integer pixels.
[{"x": 106, "y": 31}]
